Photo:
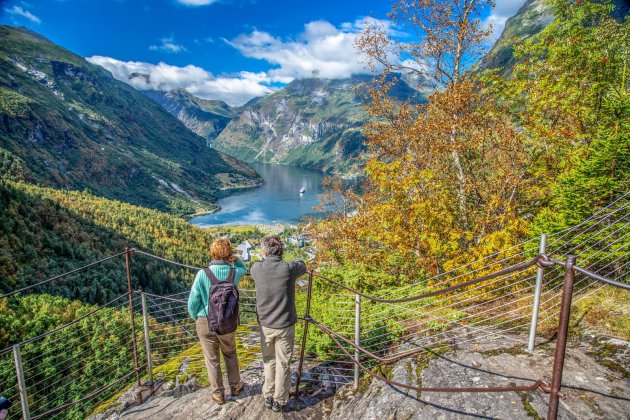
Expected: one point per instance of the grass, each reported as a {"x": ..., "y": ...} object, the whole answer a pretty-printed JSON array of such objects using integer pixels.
[
  {"x": 105, "y": 405},
  {"x": 13, "y": 103},
  {"x": 226, "y": 230},
  {"x": 607, "y": 311}
]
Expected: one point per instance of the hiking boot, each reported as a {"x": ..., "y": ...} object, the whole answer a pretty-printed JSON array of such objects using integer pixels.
[
  {"x": 236, "y": 389},
  {"x": 219, "y": 399},
  {"x": 278, "y": 408},
  {"x": 269, "y": 402}
]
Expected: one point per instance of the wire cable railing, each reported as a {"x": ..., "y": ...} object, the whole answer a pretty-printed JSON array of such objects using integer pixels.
[{"x": 179, "y": 337}]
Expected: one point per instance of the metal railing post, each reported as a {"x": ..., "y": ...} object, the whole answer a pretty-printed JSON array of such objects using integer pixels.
[
  {"x": 357, "y": 336},
  {"x": 19, "y": 374},
  {"x": 561, "y": 342},
  {"x": 307, "y": 317},
  {"x": 536, "y": 306},
  {"x": 147, "y": 340},
  {"x": 128, "y": 252}
]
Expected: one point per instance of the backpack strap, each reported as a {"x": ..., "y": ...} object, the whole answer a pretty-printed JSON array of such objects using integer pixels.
[
  {"x": 230, "y": 277},
  {"x": 214, "y": 280}
]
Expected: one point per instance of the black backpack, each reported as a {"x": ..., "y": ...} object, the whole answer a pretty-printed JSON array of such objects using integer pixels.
[{"x": 222, "y": 303}]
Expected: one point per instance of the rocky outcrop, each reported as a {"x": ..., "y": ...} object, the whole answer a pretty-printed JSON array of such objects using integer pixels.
[
  {"x": 591, "y": 390},
  {"x": 532, "y": 18},
  {"x": 529, "y": 21}
]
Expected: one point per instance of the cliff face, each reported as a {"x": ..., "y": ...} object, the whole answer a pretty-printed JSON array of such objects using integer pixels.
[
  {"x": 206, "y": 118},
  {"x": 312, "y": 123},
  {"x": 532, "y": 18}
]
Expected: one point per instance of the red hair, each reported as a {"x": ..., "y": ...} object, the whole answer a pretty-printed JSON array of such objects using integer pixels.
[{"x": 221, "y": 249}]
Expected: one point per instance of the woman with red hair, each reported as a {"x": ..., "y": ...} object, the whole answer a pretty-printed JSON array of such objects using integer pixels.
[{"x": 224, "y": 264}]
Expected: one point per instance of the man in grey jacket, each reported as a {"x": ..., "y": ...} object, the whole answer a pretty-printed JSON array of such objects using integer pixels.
[{"x": 275, "y": 306}]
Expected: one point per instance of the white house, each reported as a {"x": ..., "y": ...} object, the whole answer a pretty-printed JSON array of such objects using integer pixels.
[
  {"x": 299, "y": 240},
  {"x": 245, "y": 249}
]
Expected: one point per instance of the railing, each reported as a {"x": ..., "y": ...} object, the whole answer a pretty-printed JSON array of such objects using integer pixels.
[
  {"x": 559, "y": 354},
  {"x": 154, "y": 340}
]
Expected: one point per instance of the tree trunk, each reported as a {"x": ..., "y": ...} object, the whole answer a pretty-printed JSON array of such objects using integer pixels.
[{"x": 461, "y": 179}]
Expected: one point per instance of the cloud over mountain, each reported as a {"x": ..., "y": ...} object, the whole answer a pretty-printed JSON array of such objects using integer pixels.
[
  {"x": 501, "y": 12},
  {"x": 321, "y": 50},
  {"x": 235, "y": 90}
]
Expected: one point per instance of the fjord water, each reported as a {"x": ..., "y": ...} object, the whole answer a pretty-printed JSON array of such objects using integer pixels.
[{"x": 277, "y": 201}]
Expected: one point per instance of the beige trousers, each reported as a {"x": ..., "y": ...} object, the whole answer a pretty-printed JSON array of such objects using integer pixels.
[
  {"x": 211, "y": 344},
  {"x": 277, "y": 349}
]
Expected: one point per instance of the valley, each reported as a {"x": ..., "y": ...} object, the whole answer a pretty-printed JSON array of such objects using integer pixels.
[{"x": 472, "y": 205}]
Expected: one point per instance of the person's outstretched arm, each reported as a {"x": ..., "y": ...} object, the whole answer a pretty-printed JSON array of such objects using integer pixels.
[
  {"x": 240, "y": 269},
  {"x": 297, "y": 268},
  {"x": 194, "y": 299}
]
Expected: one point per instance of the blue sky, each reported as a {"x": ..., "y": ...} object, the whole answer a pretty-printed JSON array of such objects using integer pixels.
[{"x": 232, "y": 50}]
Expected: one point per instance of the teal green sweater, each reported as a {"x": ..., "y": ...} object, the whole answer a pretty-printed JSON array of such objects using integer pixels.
[{"x": 198, "y": 299}]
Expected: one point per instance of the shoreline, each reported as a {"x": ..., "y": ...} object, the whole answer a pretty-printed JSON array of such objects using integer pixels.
[
  {"x": 222, "y": 190},
  {"x": 243, "y": 200},
  {"x": 265, "y": 229},
  {"x": 242, "y": 187},
  {"x": 191, "y": 216}
]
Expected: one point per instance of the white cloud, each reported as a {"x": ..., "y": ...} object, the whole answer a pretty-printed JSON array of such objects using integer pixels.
[
  {"x": 320, "y": 49},
  {"x": 168, "y": 45},
  {"x": 235, "y": 90},
  {"x": 19, "y": 11},
  {"x": 502, "y": 11},
  {"x": 195, "y": 3}
]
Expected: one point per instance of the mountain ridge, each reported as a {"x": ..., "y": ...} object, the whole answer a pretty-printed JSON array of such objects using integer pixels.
[
  {"x": 66, "y": 123},
  {"x": 206, "y": 118},
  {"x": 313, "y": 123},
  {"x": 530, "y": 19}
]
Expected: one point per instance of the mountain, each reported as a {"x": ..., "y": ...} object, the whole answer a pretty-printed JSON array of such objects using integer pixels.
[
  {"x": 67, "y": 123},
  {"x": 312, "y": 123},
  {"x": 207, "y": 118},
  {"x": 532, "y": 18}
]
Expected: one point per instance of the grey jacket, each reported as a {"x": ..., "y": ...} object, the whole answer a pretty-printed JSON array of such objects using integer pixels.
[{"x": 275, "y": 291}]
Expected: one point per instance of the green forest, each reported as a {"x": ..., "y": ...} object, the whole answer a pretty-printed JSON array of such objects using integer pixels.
[{"x": 46, "y": 232}]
